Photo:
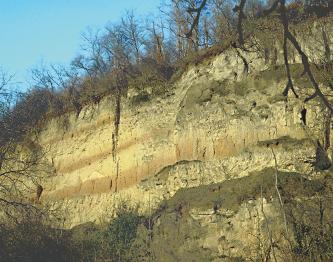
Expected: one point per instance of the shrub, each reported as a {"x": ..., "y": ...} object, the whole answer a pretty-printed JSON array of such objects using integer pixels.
[
  {"x": 34, "y": 241},
  {"x": 90, "y": 240},
  {"x": 140, "y": 98},
  {"x": 114, "y": 241},
  {"x": 120, "y": 234},
  {"x": 150, "y": 73},
  {"x": 27, "y": 113}
]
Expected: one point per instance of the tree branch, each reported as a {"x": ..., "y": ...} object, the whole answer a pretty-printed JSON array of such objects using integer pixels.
[{"x": 196, "y": 19}]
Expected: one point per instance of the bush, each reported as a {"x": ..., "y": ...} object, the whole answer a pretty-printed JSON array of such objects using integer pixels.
[
  {"x": 140, "y": 98},
  {"x": 318, "y": 7},
  {"x": 120, "y": 234},
  {"x": 151, "y": 74},
  {"x": 90, "y": 240},
  {"x": 115, "y": 241},
  {"x": 34, "y": 241},
  {"x": 27, "y": 113}
]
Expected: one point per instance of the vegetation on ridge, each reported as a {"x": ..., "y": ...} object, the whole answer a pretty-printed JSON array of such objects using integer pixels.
[{"x": 127, "y": 57}]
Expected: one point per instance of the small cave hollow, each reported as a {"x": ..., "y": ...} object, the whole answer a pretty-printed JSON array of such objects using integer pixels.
[{"x": 303, "y": 116}]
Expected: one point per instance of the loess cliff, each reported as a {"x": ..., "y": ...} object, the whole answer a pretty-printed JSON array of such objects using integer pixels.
[{"x": 214, "y": 136}]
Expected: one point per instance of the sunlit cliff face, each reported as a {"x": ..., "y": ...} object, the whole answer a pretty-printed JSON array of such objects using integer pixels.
[{"x": 215, "y": 123}]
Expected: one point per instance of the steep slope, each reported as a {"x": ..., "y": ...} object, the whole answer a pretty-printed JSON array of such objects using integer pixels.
[
  {"x": 239, "y": 220},
  {"x": 216, "y": 123}
]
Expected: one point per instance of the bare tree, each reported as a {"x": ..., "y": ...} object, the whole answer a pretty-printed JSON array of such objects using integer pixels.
[
  {"x": 5, "y": 95},
  {"x": 94, "y": 61},
  {"x": 278, "y": 6},
  {"x": 191, "y": 12},
  {"x": 20, "y": 158},
  {"x": 134, "y": 34},
  {"x": 155, "y": 42}
]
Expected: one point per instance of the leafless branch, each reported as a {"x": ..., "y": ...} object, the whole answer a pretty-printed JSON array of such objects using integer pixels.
[{"x": 195, "y": 22}]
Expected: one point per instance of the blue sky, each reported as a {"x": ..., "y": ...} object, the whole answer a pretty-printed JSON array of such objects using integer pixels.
[{"x": 49, "y": 31}]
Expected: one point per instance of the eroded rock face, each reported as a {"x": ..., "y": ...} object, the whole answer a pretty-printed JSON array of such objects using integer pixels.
[
  {"x": 239, "y": 234},
  {"x": 216, "y": 124}
]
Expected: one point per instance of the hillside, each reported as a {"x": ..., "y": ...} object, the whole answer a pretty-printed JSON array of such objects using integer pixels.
[
  {"x": 220, "y": 167},
  {"x": 204, "y": 150}
]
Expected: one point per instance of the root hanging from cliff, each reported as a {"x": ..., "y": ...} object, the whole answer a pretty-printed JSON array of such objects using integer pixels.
[
  {"x": 117, "y": 113},
  {"x": 327, "y": 134},
  {"x": 278, "y": 192},
  {"x": 245, "y": 63},
  {"x": 117, "y": 176}
]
